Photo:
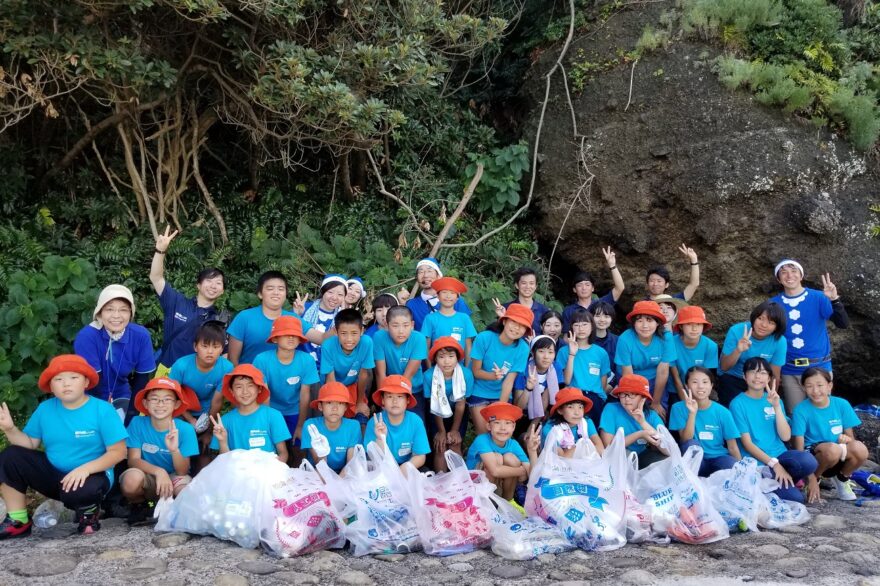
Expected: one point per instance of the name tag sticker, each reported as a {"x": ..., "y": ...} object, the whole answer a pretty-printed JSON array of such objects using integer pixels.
[
  {"x": 706, "y": 435},
  {"x": 594, "y": 370},
  {"x": 769, "y": 411},
  {"x": 838, "y": 429},
  {"x": 456, "y": 337},
  {"x": 150, "y": 448},
  {"x": 257, "y": 442},
  {"x": 352, "y": 372},
  {"x": 405, "y": 450},
  {"x": 641, "y": 441},
  {"x": 292, "y": 380}
]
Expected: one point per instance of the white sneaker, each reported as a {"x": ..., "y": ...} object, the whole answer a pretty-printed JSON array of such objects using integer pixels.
[{"x": 844, "y": 490}]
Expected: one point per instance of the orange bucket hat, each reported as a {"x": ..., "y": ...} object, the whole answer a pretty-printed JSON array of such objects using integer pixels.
[
  {"x": 499, "y": 411},
  {"x": 635, "y": 384},
  {"x": 398, "y": 384},
  {"x": 571, "y": 395},
  {"x": 252, "y": 373},
  {"x": 287, "y": 325},
  {"x": 521, "y": 315},
  {"x": 449, "y": 284},
  {"x": 651, "y": 308},
  {"x": 445, "y": 342},
  {"x": 190, "y": 399},
  {"x": 692, "y": 314},
  {"x": 333, "y": 391},
  {"x": 165, "y": 384},
  {"x": 67, "y": 363}
]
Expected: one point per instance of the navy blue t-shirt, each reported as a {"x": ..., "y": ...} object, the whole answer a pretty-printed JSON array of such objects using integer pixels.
[{"x": 183, "y": 317}]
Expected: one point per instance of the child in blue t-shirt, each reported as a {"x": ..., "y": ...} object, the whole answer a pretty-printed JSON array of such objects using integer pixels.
[
  {"x": 401, "y": 351},
  {"x": 535, "y": 389},
  {"x": 498, "y": 356},
  {"x": 703, "y": 422},
  {"x": 395, "y": 428},
  {"x": 331, "y": 436},
  {"x": 568, "y": 423},
  {"x": 764, "y": 429},
  {"x": 66, "y": 451},
  {"x": 586, "y": 366},
  {"x": 159, "y": 447},
  {"x": 692, "y": 348},
  {"x": 824, "y": 425},
  {"x": 645, "y": 349},
  {"x": 347, "y": 358},
  {"x": 446, "y": 321},
  {"x": 448, "y": 384},
  {"x": 380, "y": 306},
  {"x": 603, "y": 316},
  {"x": 498, "y": 454},
  {"x": 638, "y": 424},
  {"x": 251, "y": 425}
]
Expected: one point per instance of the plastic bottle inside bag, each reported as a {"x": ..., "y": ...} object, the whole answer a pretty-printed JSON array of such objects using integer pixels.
[{"x": 50, "y": 513}]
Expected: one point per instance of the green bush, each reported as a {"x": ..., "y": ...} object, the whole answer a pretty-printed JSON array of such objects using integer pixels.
[{"x": 860, "y": 114}]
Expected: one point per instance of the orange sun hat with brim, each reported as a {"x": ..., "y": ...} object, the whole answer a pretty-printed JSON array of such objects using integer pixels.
[
  {"x": 253, "y": 373},
  {"x": 571, "y": 395},
  {"x": 449, "y": 284},
  {"x": 692, "y": 314},
  {"x": 651, "y": 308},
  {"x": 287, "y": 325},
  {"x": 67, "y": 363},
  {"x": 161, "y": 384},
  {"x": 521, "y": 315},
  {"x": 445, "y": 342},
  {"x": 632, "y": 383},
  {"x": 500, "y": 411},
  {"x": 396, "y": 384},
  {"x": 190, "y": 399},
  {"x": 332, "y": 391}
]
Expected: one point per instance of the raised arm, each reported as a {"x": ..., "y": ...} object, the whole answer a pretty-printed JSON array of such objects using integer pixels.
[
  {"x": 157, "y": 267},
  {"x": 694, "y": 281}
]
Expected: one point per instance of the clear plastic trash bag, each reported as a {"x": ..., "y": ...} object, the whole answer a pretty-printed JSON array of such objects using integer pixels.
[
  {"x": 736, "y": 493},
  {"x": 515, "y": 537}
]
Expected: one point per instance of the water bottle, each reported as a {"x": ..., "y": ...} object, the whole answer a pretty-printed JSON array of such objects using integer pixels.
[{"x": 50, "y": 513}]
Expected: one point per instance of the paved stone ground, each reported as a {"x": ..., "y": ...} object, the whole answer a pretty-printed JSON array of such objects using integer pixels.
[{"x": 841, "y": 545}]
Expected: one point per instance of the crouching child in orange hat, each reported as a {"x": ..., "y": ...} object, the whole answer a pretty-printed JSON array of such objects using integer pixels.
[
  {"x": 498, "y": 454},
  {"x": 252, "y": 425},
  {"x": 638, "y": 423},
  {"x": 83, "y": 439},
  {"x": 159, "y": 447},
  {"x": 332, "y": 437},
  {"x": 396, "y": 428}
]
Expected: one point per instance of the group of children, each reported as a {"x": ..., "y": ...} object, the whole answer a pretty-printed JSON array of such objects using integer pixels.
[{"x": 299, "y": 385}]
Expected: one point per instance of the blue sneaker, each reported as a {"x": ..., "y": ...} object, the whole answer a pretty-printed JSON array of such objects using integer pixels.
[{"x": 519, "y": 495}]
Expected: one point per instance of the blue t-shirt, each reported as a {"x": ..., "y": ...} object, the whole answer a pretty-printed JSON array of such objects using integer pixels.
[
  {"x": 590, "y": 365},
  {"x": 405, "y": 440},
  {"x": 346, "y": 367},
  {"x": 370, "y": 332},
  {"x": 72, "y": 437},
  {"x": 705, "y": 354},
  {"x": 569, "y": 310},
  {"x": 420, "y": 308},
  {"x": 818, "y": 425},
  {"x": 483, "y": 444},
  {"x": 468, "y": 384},
  {"x": 488, "y": 348},
  {"x": 806, "y": 333},
  {"x": 713, "y": 426},
  {"x": 575, "y": 430},
  {"x": 458, "y": 325},
  {"x": 519, "y": 384},
  {"x": 260, "y": 430},
  {"x": 286, "y": 380},
  {"x": 183, "y": 316},
  {"x": 615, "y": 417},
  {"x": 397, "y": 357},
  {"x": 644, "y": 360},
  {"x": 204, "y": 384},
  {"x": 609, "y": 344},
  {"x": 115, "y": 361},
  {"x": 757, "y": 418},
  {"x": 770, "y": 348},
  {"x": 143, "y": 436},
  {"x": 538, "y": 310},
  {"x": 251, "y": 327},
  {"x": 346, "y": 436}
]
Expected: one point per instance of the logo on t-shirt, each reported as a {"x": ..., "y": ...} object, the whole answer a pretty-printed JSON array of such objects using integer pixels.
[
  {"x": 180, "y": 317},
  {"x": 84, "y": 433}
]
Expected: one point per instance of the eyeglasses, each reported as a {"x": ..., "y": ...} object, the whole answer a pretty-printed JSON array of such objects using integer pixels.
[{"x": 161, "y": 400}]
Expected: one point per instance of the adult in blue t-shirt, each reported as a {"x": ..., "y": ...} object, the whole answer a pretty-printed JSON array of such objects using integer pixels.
[{"x": 525, "y": 284}]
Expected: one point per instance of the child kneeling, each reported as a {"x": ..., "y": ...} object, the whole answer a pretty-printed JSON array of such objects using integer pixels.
[
  {"x": 159, "y": 447},
  {"x": 83, "y": 439}
]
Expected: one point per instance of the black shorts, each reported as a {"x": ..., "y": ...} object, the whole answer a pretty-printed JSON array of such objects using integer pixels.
[{"x": 831, "y": 472}]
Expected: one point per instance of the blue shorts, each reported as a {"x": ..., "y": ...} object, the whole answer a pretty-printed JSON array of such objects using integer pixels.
[
  {"x": 474, "y": 401},
  {"x": 292, "y": 421}
]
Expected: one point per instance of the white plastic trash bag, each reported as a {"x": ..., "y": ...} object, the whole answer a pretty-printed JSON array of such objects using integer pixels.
[
  {"x": 299, "y": 517},
  {"x": 515, "y": 537},
  {"x": 736, "y": 493},
  {"x": 583, "y": 495},
  {"x": 226, "y": 498},
  {"x": 373, "y": 500},
  {"x": 775, "y": 512},
  {"x": 674, "y": 495}
]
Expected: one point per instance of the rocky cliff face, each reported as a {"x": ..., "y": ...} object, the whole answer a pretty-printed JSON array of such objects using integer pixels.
[{"x": 691, "y": 161}]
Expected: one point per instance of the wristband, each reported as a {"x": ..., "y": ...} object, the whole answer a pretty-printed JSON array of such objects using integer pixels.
[
  {"x": 693, "y": 264},
  {"x": 772, "y": 462},
  {"x": 157, "y": 251},
  {"x": 614, "y": 268}
]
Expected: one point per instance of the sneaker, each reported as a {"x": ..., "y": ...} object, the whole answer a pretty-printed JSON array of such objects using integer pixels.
[
  {"x": 140, "y": 514},
  {"x": 10, "y": 528},
  {"x": 517, "y": 506},
  {"x": 844, "y": 490},
  {"x": 87, "y": 520},
  {"x": 519, "y": 495}
]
